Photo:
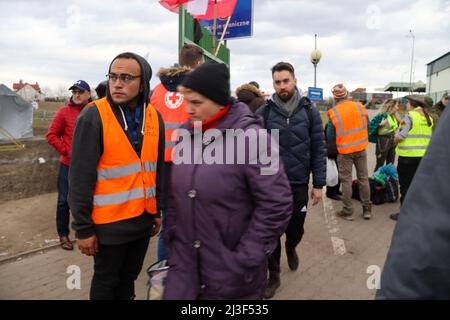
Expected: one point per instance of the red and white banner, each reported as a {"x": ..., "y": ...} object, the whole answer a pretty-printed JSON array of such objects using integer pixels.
[
  {"x": 202, "y": 9},
  {"x": 224, "y": 9},
  {"x": 172, "y": 5}
]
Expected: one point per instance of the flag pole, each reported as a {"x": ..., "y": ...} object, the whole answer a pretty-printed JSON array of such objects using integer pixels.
[
  {"x": 215, "y": 24},
  {"x": 223, "y": 35}
]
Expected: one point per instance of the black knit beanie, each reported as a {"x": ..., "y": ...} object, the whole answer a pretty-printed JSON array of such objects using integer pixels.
[{"x": 211, "y": 80}]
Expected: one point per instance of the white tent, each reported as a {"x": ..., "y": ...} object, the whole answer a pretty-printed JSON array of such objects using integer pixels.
[{"x": 16, "y": 115}]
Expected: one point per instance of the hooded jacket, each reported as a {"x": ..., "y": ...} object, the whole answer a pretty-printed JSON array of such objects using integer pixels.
[
  {"x": 172, "y": 77},
  {"x": 173, "y": 111},
  {"x": 251, "y": 96},
  {"x": 87, "y": 148},
  {"x": 60, "y": 132},
  {"x": 223, "y": 220}
]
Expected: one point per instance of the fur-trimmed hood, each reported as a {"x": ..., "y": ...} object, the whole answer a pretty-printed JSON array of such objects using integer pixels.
[
  {"x": 249, "y": 87},
  {"x": 173, "y": 76}
]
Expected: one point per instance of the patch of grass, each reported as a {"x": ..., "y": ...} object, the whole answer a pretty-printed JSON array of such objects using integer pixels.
[{"x": 50, "y": 106}]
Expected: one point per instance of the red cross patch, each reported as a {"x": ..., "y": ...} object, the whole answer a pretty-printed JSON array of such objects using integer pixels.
[{"x": 174, "y": 100}]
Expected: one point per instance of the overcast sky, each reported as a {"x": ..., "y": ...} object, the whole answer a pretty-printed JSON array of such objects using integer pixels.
[{"x": 364, "y": 43}]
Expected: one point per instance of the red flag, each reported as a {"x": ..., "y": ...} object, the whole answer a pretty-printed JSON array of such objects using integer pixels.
[
  {"x": 224, "y": 9},
  {"x": 172, "y": 5}
]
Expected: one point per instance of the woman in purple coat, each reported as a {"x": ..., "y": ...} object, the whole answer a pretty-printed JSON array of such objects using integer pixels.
[{"x": 226, "y": 210}]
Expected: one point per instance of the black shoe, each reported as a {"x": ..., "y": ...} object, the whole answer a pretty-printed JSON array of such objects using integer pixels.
[
  {"x": 292, "y": 258},
  {"x": 394, "y": 216},
  {"x": 367, "y": 212},
  {"x": 65, "y": 243},
  {"x": 272, "y": 285}
]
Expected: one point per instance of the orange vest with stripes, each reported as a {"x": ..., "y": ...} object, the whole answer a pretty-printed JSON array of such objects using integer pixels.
[
  {"x": 350, "y": 120},
  {"x": 126, "y": 184},
  {"x": 172, "y": 107}
]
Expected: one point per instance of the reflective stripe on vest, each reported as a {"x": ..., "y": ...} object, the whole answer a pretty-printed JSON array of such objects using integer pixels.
[
  {"x": 126, "y": 184},
  {"x": 390, "y": 127},
  {"x": 416, "y": 142},
  {"x": 172, "y": 107},
  {"x": 350, "y": 120}
]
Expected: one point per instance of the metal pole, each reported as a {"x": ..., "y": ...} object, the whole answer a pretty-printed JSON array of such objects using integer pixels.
[
  {"x": 315, "y": 64},
  {"x": 412, "y": 59}
]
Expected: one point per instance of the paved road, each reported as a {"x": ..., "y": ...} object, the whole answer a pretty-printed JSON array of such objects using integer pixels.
[{"x": 335, "y": 255}]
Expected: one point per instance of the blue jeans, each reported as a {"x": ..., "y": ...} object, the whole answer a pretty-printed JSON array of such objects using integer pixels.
[
  {"x": 162, "y": 251},
  {"x": 62, "y": 207}
]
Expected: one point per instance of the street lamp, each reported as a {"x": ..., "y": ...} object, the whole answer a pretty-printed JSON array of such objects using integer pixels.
[
  {"x": 412, "y": 59},
  {"x": 316, "y": 55}
]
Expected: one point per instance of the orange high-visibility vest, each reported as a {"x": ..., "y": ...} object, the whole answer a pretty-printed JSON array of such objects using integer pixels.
[
  {"x": 126, "y": 184},
  {"x": 350, "y": 120},
  {"x": 172, "y": 107}
]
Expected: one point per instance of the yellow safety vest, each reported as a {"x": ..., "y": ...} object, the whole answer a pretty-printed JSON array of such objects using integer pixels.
[
  {"x": 390, "y": 127},
  {"x": 418, "y": 139}
]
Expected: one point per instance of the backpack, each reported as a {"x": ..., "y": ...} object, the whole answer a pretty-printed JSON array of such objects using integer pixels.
[
  {"x": 266, "y": 112},
  {"x": 392, "y": 191},
  {"x": 377, "y": 192}
]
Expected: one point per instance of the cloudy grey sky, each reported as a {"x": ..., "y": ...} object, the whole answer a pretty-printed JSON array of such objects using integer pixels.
[{"x": 364, "y": 43}]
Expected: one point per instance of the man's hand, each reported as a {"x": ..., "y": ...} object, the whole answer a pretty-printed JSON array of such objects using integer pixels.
[
  {"x": 156, "y": 227},
  {"x": 316, "y": 196},
  {"x": 88, "y": 246}
]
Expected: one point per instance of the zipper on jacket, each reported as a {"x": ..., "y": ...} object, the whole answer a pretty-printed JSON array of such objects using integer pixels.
[{"x": 288, "y": 120}]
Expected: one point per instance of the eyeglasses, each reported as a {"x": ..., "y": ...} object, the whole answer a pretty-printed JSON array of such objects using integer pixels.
[{"x": 124, "y": 77}]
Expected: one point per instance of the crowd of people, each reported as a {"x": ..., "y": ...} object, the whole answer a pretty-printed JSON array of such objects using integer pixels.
[{"x": 131, "y": 169}]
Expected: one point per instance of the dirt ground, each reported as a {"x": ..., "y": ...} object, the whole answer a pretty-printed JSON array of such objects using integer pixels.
[
  {"x": 28, "y": 172},
  {"x": 27, "y": 224},
  {"x": 27, "y": 190}
]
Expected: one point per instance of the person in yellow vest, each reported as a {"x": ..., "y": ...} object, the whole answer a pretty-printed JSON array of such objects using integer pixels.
[
  {"x": 116, "y": 176},
  {"x": 172, "y": 106},
  {"x": 385, "y": 147},
  {"x": 412, "y": 140},
  {"x": 348, "y": 125}
]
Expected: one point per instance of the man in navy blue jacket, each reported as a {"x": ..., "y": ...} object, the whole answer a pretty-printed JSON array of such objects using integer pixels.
[{"x": 302, "y": 148}]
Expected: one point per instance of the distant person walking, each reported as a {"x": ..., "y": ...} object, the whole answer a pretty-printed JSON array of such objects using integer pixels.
[
  {"x": 101, "y": 89},
  {"x": 59, "y": 135},
  {"x": 348, "y": 126},
  {"x": 302, "y": 148},
  {"x": 251, "y": 96},
  {"x": 436, "y": 111}
]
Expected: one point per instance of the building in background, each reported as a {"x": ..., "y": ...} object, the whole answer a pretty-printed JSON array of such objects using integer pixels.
[
  {"x": 30, "y": 92},
  {"x": 370, "y": 98},
  {"x": 438, "y": 77}
]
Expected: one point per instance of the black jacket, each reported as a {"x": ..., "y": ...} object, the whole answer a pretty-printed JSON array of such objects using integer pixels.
[
  {"x": 302, "y": 148},
  {"x": 87, "y": 148}
]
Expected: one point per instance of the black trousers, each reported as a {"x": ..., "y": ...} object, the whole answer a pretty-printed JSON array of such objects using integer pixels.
[
  {"x": 407, "y": 167},
  {"x": 295, "y": 230},
  {"x": 116, "y": 267}
]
